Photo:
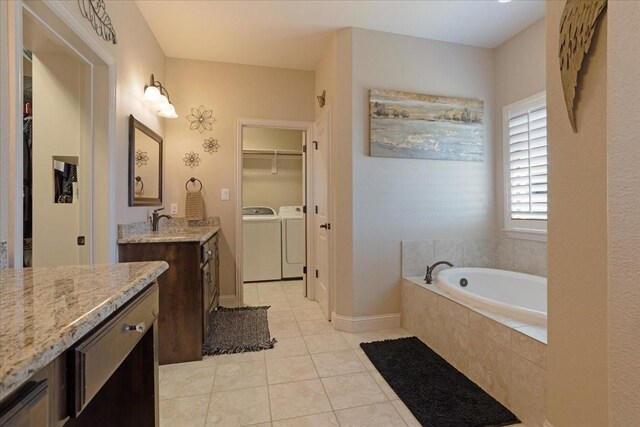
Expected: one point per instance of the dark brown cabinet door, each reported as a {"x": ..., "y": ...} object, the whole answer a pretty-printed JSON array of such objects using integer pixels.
[{"x": 29, "y": 407}]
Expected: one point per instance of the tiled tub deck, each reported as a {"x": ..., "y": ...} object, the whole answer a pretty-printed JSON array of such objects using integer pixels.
[{"x": 504, "y": 356}]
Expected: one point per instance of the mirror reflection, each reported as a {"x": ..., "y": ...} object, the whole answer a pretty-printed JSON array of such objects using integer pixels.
[{"x": 145, "y": 165}]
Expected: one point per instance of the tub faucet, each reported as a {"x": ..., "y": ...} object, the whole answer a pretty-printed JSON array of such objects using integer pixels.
[
  {"x": 429, "y": 276},
  {"x": 155, "y": 219}
]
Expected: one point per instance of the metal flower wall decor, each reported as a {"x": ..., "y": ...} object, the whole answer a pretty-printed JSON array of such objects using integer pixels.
[
  {"x": 141, "y": 158},
  {"x": 201, "y": 119},
  {"x": 191, "y": 159},
  {"x": 577, "y": 26},
  {"x": 96, "y": 13},
  {"x": 211, "y": 145}
]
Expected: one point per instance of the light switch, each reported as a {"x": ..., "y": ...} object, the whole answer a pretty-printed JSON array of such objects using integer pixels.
[
  {"x": 224, "y": 194},
  {"x": 174, "y": 208}
]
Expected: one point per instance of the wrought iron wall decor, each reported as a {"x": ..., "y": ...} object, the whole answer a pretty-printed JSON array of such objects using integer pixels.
[
  {"x": 96, "y": 13},
  {"x": 141, "y": 158},
  {"x": 322, "y": 99},
  {"x": 577, "y": 26},
  {"x": 211, "y": 145},
  {"x": 191, "y": 159},
  {"x": 201, "y": 119}
]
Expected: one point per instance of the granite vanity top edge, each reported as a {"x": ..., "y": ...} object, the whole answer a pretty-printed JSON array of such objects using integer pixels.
[
  {"x": 14, "y": 375},
  {"x": 192, "y": 234}
]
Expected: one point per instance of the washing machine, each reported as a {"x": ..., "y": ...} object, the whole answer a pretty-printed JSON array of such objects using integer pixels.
[
  {"x": 293, "y": 241},
  {"x": 261, "y": 244}
]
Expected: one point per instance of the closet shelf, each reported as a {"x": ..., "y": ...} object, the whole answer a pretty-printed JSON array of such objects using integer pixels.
[{"x": 272, "y": 152}]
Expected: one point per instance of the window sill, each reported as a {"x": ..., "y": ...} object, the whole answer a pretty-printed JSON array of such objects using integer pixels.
[{"x": 526, "y": 234}]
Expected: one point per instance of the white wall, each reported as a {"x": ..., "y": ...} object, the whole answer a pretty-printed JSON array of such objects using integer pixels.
[
  {"x": 232, "y": 92},
  {"x": 402, "y": 199},
  {"x": 623, "y": 176}
]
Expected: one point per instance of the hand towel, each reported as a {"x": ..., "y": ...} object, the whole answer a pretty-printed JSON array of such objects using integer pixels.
[{"x": 194, "y": 206}]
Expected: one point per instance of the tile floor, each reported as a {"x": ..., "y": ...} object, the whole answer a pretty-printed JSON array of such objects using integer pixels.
[{"x": 315, "y": 376}]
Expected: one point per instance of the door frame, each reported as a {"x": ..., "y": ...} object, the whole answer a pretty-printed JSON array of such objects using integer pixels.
[
  {"x": 55, "y": 18},
  {"x": 279, "y": 124}
]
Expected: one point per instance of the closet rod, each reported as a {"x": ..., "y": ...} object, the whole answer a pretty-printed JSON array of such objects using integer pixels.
[{"x": 272, "y": 152}]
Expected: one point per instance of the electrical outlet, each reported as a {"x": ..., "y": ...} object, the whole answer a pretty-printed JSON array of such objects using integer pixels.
[
  {"x": 224, "y": 194},
  {"x": 174, "y": 208}
]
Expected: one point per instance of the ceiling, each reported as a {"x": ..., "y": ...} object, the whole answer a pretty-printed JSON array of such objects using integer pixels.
[{"x": 293, "y": 34}]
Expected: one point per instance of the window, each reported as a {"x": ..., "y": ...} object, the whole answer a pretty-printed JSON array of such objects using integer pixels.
[{"x": 525, "y": 147}]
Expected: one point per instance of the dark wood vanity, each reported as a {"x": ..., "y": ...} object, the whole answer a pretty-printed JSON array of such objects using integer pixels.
[
  {"x": 189, "y": 290},
  {"x": 106, "y": 376}
]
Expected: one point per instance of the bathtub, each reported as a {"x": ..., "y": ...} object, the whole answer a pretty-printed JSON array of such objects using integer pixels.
[{"x": 516, "y": 295}]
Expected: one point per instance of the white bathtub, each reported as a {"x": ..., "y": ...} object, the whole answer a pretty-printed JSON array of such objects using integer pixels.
[{"x": 517, "y": 295}]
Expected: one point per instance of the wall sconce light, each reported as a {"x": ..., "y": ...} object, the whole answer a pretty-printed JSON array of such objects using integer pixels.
[{"x": 157, "y": 97}]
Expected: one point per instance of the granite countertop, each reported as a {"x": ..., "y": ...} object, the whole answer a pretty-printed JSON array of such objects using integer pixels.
[
  {"x": 45, "y": 310},
  {"x": 169, "y": 235}
]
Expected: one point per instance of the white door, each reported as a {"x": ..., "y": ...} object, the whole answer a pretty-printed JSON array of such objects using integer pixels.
[{"x": 322, "y": 224}]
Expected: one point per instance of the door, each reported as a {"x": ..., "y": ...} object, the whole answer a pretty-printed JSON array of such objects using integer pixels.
[{"x": 322, "y": 224}]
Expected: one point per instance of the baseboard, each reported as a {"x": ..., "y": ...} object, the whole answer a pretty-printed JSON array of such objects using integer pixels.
[
  {"x": 228, "y": 301},
  {"x": 365, "y": 323}
]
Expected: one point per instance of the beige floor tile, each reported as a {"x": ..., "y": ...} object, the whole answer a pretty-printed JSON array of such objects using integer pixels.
[
  {"x": 226, "y": 359},
  {"x": 384, "y": 386},
  {"x": 326, "y": 342},
  {"x": 315, "y": 327},
  {"x": 381, "y": 414},
  {"x": 251, "y": 301},
  {"x": 348, "y": 391},
  {"x": 189, "y": 379},
  {"x": 284, "y": 329},
  {"x": 327, "y": 419},
  {"x": 273, "y": 316},
  {"x": 364, "y": 359},
  {"x": 300, "y": 303},
  {"x": 337, "y": 363},
  {"x": 392, "y": 334},
  {"x": 297, "y": 399},
  {"x": 355, "y": 338},
  {"x": 239, "y": 407},
  {"x": 185, "y": 411},
  {"x": 272, "y": 297},
  {"x": 290, "y": 369},
  {"x": 405, "y": 413},
  {"x": 235, "y": 376},
  {"x": 309, "y": 314},
  {"x": 277, "y": 305},
  {"x": 287, "y": 347}
]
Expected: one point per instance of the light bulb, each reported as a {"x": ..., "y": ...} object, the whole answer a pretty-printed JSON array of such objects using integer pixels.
[
  {"x": 152, "y": 94},
  {"x": 162, "y": 103}
]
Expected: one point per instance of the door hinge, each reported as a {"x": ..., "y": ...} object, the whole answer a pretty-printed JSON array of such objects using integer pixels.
[
  {"x": 304, "y": 209},
  {"x": 315, "y": 145},
  {"x": 304, "y": 270},
  {"x": 317, "y": 274},
  {"x": 81, "y": 240},
  {"x": 304, "y": 148},
  {"x": 316, "y": 209}
]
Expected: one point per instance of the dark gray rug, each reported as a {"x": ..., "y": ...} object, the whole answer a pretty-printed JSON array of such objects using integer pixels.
[
  {"x": 435, "y": 392},
  {"x": 238, "y": 330}
]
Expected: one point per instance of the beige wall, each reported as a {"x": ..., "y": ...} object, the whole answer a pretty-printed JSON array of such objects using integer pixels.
[
  {"x": 260, "y": 138},
  {"x": 623, "y": 174},
  {"x": 519, "y": 72},
  {"x": 57, "y": 127},
  {"x": 402, "y": 199},
  {"x": 232, "y": 92},
  {"x": 260, "y": 187},
  {"x": 577, "y": 239}
]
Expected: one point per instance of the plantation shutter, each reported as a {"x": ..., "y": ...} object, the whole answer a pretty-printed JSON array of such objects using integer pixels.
[{"x": 528, "y": 164}]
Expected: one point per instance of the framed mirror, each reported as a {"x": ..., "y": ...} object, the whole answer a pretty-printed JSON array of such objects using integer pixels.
[{"x": 145, "y": 165}]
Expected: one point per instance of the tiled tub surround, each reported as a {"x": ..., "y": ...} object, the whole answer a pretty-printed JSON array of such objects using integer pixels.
[
  {"x": 45, "y": 310},
  {"x": 524, "y": 256},
  {"x": 176, "y": 229},
  {"x": 3, "y": 255},
  {"x": 504, "y": 356}
]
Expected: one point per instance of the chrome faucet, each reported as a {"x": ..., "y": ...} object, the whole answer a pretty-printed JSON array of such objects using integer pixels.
[
  {"x": 429, "y": 276},
  {"x": 155, "y": 219}
]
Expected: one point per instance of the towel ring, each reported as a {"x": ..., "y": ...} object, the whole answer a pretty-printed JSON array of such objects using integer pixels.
[
  {"x": 192, "y": 180},
  {"x": 139, "y": 181}
]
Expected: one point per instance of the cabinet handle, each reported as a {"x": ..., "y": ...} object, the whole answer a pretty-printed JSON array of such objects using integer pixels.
[{"x": 140, "y": 327}]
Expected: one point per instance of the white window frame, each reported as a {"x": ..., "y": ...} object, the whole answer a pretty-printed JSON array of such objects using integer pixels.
[{"x": 517, "y": 228}]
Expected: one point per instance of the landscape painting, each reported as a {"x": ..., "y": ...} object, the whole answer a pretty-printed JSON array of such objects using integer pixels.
[{"x": 412, "y": 125}]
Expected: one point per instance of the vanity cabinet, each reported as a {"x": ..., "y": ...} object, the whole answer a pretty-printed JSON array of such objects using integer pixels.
[{"x": 189, "y": 292}]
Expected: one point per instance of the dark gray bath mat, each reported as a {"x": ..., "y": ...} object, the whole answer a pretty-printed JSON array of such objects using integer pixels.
[
  {"x": 238, "y": 330},
  {"x": 435, "y": 392}
]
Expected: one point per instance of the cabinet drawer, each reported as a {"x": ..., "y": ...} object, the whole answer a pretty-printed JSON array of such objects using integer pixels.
[
  {"x": 100, "y": 354},
  {"x": 27, "y": 407}
]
